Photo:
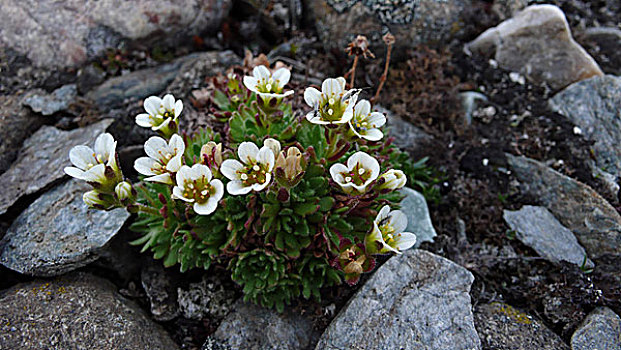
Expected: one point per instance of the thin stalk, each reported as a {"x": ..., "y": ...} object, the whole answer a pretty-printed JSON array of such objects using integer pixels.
[
  {"x": 353, "y": 71},
  {"x": 384, "y": 75}
]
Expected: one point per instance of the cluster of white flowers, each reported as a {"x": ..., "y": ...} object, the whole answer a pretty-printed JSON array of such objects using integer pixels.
[{"x": 255, "y": 167}]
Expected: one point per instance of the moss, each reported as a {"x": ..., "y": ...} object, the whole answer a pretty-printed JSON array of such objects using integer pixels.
[{"x": 512, "y": 313}]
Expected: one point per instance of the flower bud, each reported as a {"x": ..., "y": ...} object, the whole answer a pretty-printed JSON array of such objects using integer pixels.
[
  {"x": 97, "y": 200},
  {"x": 393, "y": 180},
  {"x": 289, "y": 167},
  {"x": 211, "y": 154},
  {"x": 125, "y": 193},
  {"x": 272, "y": 144}
]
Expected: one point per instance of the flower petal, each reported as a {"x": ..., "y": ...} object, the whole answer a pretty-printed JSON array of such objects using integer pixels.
[
  {"x": 331, "y": 87},
  {"x": 95, "y": 174},
  {"x": 143, "y": 120},
  {"x": 363, "y": 107},
  {"x": 251, "y": 83},
  {"x": 168, "y": 102},
  {"x": 175, "y": 163},
  {"x": 156, "y": 148},
  {"x": 74, "y": 172},
  {"x": 205, "y": 208},
  {"x": 161, "y": 178},
  {"x": 376, "y": 119},
  {"x": 178, "y": 108},
  {"x": 230, "y": 167},
  {"x": 152, "y": 105},
  {"x": 184, "y": 174},
  {"x": 145, "y": 165},
  {"x": 219, "y": 190},
  {"x": 341, "y": 82},
  {"x": 261, "y": 72},
  {"x": 312, "y": 96},
  {"x": 237, "y": 188},
  {"x": 247, "y": 152},
  {"x": 176, "y": 144},
  {"x": 281, "y": 77},
  {"x": 315, "y": 118},
  {"x": 82, "y": 157},
  {"x": 104, "y": 146},
  {"x": 404, "y": 240},
  {"x": 398, "y": 220},
  {"x": 266, "y": 156},
  {"x": 178, "y": 194},
  {"x": 202, "y": 171},
  {"x": 259, "y": 187},
  {"x": 373, "y": 135},
  {"x": 383, "y": 214},
  {"x": 163, "y": 125}
]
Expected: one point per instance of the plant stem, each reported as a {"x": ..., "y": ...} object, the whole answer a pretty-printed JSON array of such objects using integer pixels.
[
  {"x": 147, "y": 209},
  {"x": 384, "y": 75},
  {"x": 353, "y": 72}
]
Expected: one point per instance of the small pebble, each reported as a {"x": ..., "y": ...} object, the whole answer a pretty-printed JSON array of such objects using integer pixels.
[{"x": 577, "y": 131}]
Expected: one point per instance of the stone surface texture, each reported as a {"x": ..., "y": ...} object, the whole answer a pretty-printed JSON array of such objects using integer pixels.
[
  {"x": 77, "y": 311},
  {"x": 17, "y": 124},
  {"x": 594, "y": 106},
  {"x": 594, "y": 222},
  {"x": 416, "y": 300},
  {"x": 538, "y": 228},
  {"x": 161, "y": 291},
  {"x": 501, "y": 327},
  {"x": 408, "y": 137},
  {"x": 206, "y": 299},
  {"x": 58, "y": 233},
  {"x": 537, "y": 43},
  {"x": 252, "y": 327},
  {"x": 59, "y": 34},
  {"x": 41, "y": 160},
  {"x": 50, "y": 103},
  {"x": 415, "y": 208},
  {"x": 412, "y": 22},
  {"x": 600, "y": 330}
]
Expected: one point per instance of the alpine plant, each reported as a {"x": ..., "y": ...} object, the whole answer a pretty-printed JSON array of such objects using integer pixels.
[{"x": 289, "y": 204}]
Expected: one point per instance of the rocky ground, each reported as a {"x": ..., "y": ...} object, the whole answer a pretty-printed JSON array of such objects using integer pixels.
[{"x": 516, "y": 103}]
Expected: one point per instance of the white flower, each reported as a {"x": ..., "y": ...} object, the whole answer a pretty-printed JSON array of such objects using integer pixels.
[
  {"x": 125, "y": 193},
  {"x": 333, "y": 104},
  {"x": 163, "y": 158},
  {"x": 361, "y": 170},
  {"x": 95, "y": 199},
  {"x": 266, "y": 84},
  {"x": 195, "y": 185},
  {"x": 253, "y": 173},
  {"x": 365, "y": 123},
  {"x": 160, "y": 112},
  {"x": 96, "y": 166},
  {"x": 393, "y": 180},
  {"x": 387, "y": 235}
]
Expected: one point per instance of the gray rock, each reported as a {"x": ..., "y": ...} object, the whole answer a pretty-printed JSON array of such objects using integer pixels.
[
  {"x": 17, "y": 123},
  {"x": 48, "y": 104},
  {"x": 51, "y": 35},
  {"x": 252, "y": 327},
  {"x": 207, "y": 298},
  {"x": 412, "y": 22},
  {"x": 89, "y": 77},
  {"x": 600, "y": 330},
  {"x": 136, "y": 85},
  {"x": 501, "y": 327},
  {"x": 538, "y": 228},
  {"x": 604, "y": 44},
  {"x": 162, "y": 294},
  {"x": 415, "y": 208},
  {"x": 416, "y": 300},
  {"x": 41, "y": 160},
  {"x": 58, "y": 233},
  {"x": 537, "y": 43},
  {"x": 77, "y": 311},
  {"x": 408, "y": 137},
  {"x": 595, "y": 223},
  {"x": 593, "y": 105}
]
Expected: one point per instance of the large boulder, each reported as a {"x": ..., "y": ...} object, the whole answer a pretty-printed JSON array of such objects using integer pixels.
[
  {"x": 77, "y": 311},
  {"x": 250, "y": 326},
  {"x": 594, "y": 106},
  {"x": 416, "y": 300},
  {"x": 537, "y": 43},
  {"x": 538, "y": 228},
  {"x": 17, "y": 124},
  {"x": 58, "y": 233},
  {"x": 57, "y": 34},
  {"x": 41, "y": 160},
  {"x": 600, "y": 330},
  {"x": 502, "y": 327},
  {"x": 596, "y": 224}
]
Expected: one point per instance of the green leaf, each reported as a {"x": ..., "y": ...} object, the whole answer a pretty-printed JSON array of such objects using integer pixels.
[{"x": 306, "y": 208}]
